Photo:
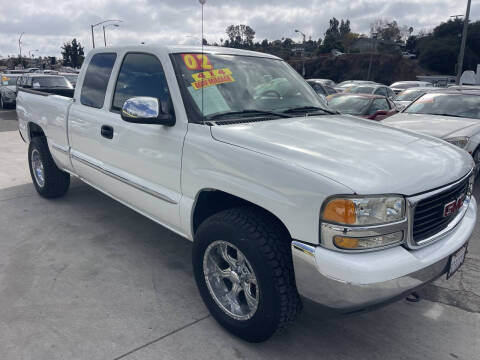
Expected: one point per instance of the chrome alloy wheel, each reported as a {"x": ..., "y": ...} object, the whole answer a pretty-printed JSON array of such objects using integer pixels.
[
  {"x": 37, "y": 168},
  {"x": 231, "y": 280}
]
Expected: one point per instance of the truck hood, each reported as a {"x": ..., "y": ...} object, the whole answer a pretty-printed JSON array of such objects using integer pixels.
[
  {"x": 435, "y": 125},
  {"x": 363, "y": 155}
]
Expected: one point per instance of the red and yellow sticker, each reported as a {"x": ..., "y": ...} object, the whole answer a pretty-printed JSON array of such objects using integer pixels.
[
  {"x": 212, "y": 77},
  {"x": 197, "y": 62}
]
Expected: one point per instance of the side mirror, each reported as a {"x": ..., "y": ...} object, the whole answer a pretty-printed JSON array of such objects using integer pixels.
[{"x": 147, "y": 110}]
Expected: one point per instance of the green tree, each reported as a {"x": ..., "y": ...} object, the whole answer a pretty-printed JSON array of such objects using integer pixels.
[
  {"x": 239, "y": 36},
  {"x": 334, "y": 34},
  {"x": 73, "y": 54}
]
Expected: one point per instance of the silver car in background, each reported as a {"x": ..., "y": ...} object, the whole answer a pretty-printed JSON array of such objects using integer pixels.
[{"x": 450, "y": 114}]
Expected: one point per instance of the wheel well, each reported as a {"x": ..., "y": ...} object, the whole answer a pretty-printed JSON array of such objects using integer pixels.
[
  {"x": 34, "y": 131},
  {"x": 210, "y": 202}
]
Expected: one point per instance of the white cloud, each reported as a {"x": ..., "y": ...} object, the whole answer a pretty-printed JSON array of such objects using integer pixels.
[{"x": 49, "y": 23}]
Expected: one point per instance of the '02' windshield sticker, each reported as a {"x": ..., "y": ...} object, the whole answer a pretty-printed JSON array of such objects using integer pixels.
[
  {"x": 197, "y": 62},
  {"x": 213, "y": 77}
]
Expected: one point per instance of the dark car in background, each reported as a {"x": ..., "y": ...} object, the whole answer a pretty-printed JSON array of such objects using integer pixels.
[
  {"x": 53, "y": 84},
  {"x": 373, "y": 107},
  {"x": 8, "y": 90}
]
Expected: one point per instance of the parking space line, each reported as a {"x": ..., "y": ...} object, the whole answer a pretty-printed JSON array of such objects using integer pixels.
[{"x": 161, "y": 337}]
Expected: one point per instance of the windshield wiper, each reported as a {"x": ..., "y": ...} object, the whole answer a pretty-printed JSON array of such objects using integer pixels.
[
  {"x": 452, "y": 115},
  {"x": 245, "y": 113},
  {"x": 308, "y": 109}
]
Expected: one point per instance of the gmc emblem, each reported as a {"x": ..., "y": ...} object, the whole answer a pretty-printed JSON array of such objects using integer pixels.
[{"x": 453, "y": 206}]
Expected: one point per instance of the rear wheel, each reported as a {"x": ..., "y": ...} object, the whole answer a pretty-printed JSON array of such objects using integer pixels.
[
  {"x": 48, "y": 179},
  {"x": 244, "y": 271}
]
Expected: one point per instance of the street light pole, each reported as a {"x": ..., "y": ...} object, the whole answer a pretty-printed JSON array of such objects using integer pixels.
[
  {"x": 464, "y": 42},
  {"x": 104, "y": 37},
  {"x": 303, "y": 52},
  {"x": 101, "y": 22},
  {"x": 20, "y": 43},
  {"x": 93, "y": 38}
]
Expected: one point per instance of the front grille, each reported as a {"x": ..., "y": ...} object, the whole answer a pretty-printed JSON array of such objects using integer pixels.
[{"x": 428, "y": 219}]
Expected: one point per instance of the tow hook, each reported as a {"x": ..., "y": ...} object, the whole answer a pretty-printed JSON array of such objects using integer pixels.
[{"x": 413, "y": 297}]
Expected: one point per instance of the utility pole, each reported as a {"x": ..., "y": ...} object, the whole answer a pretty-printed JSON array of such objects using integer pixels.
[
  {"x": 374, "y": 37},
  {"x": 464, "y": 42}
]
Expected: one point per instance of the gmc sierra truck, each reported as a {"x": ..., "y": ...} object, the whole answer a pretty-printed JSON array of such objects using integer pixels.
[{"x": 286, "y": 201}]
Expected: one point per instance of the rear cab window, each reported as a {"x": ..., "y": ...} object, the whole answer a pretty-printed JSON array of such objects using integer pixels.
[{"x": 96, "y": 79}]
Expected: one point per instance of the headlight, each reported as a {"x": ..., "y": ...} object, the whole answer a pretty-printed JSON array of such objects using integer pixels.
[
  {"x": 363, "y": 223},
  {"x": 364, "y": 210},
  {"x": 460, "y": 141}
]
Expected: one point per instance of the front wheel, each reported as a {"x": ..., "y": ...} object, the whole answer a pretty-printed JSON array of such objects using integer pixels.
[
  {"x": 48, "y": 179},
  {"x": 244, "y": 271}
]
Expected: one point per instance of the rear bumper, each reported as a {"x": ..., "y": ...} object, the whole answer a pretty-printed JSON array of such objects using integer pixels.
[{"x": 350, "y": 282}]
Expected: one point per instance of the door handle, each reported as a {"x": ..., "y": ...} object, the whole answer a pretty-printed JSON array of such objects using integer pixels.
[{"x": 107, "y": 131}]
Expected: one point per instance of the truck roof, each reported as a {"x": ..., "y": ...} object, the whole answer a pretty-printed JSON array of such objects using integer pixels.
[{"x": 173, "y": 49}]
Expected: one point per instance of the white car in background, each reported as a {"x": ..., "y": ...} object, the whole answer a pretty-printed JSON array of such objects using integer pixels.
[
  {"x": 451, "y": 115},
  {"x": 406, "y": 97},
  {"x": 400, "y": 86}
]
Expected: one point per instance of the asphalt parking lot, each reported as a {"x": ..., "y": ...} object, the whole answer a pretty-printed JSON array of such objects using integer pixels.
[{"x": 84, "y": 277}]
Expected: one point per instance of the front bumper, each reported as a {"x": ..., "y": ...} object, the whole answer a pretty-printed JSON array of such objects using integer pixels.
[{"x": 348, "y": 282}]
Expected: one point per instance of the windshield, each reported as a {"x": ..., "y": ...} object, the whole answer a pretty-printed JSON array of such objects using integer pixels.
[
  {"x": 409, "y": 95},
  {"x": 361, "y": 90},
  {"x": 233, "y": 83},
  {"x": 352, "y": 105},
  {"x": 9, "y": 80},
  {"x": 51, "y": 81},
  {"x": 458, "y": 105}
]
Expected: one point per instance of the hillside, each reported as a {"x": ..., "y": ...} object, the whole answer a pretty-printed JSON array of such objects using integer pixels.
[{"x": 386, "y": 68}]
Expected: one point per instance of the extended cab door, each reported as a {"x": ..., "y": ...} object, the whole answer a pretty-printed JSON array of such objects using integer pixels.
[{"x": 138, "y": 164}]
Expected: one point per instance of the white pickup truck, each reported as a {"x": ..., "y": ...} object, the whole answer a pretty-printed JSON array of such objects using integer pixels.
[{"x": 286, "y": 202}]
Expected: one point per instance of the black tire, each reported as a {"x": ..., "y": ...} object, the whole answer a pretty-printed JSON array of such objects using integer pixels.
[
  {"x": 267, "y": 248},
  {"x": 2, "y": 104},
  {"x": 56, "y": 182}
]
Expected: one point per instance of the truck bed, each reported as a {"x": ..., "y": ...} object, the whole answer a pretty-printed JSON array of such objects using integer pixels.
[{"x": 50, "y": 112}]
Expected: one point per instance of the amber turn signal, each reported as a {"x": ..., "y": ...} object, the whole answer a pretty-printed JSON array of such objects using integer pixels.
[
  {"x": 341, "y": 211},
  {"x": 345, "y": 242}
]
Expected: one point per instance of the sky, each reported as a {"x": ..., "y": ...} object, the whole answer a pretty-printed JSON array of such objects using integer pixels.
[{"x": 47, "y": 24}]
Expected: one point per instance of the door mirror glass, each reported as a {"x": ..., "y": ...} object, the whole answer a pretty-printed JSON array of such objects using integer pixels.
[
  {"x": 145, "y": 110},
  {"x": 141, "y": 107}
]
